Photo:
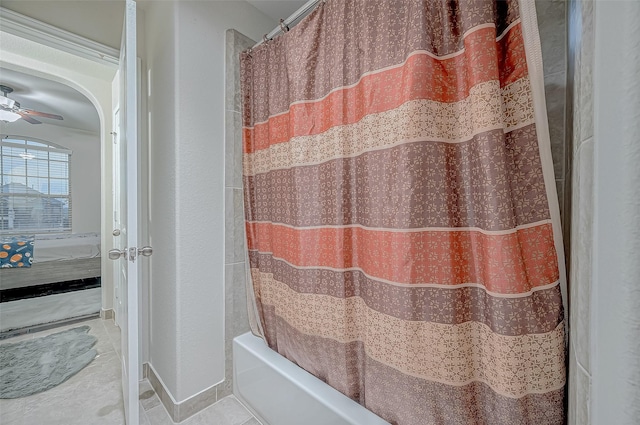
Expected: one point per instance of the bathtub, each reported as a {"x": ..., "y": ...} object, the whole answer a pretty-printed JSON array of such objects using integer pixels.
[{"x": 279, "y": 392}]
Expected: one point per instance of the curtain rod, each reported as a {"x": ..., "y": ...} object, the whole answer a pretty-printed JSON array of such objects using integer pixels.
[{"x": 284, "y": 23}]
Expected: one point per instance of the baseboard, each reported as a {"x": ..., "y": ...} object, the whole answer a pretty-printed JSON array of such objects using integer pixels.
[
  {"x": 178, "y": 412},
  {"x": 106, "y": 314}
]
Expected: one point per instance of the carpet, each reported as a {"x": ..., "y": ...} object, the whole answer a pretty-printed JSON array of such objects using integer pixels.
[{"x": 36, "y": 365}]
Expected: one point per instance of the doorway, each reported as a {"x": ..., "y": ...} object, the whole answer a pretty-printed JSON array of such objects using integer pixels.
[{"x": 94, "y": 80}]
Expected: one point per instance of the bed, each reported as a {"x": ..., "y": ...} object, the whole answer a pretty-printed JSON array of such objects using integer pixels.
[{"x": 57, "y": 258}]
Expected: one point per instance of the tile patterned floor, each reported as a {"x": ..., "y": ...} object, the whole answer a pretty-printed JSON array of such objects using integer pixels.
[{"x": 94, "y": 396}]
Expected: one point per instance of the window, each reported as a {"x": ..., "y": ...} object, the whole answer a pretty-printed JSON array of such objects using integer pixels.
[{"x": 35, "y": 194}]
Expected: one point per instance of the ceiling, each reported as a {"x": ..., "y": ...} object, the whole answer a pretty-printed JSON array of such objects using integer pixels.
[
  {"x": 52, "y": 97},
  {"x": 101, "y": 20},
  {"x": 97, "y": 20},
  {"x": 277, "y": 9}
]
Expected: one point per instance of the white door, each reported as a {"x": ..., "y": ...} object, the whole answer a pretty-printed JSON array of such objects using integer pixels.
[
  {"x": 118, "y": 240},
  {"x": 126, "y": 253}
]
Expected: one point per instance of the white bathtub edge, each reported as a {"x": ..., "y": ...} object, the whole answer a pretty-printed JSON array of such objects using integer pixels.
[{"x": 337, "y": 405}]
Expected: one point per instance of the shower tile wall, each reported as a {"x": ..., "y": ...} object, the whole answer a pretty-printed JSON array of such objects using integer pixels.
[
  {"x": 581, "y": 60},
  {"x": 552, "y": 24},
  {"x": 566, "y": 32},
  {"x": 236, "y": 320}
]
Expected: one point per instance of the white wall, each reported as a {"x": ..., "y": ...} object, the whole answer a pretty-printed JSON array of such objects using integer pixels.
[
  {"x": 160, "y": 60},
  {"x": 85, "y": 168},
  {"x": 615, "y": 297},
  {"x": 185, "y": 53},
  {"x": 92, "y": 80}
]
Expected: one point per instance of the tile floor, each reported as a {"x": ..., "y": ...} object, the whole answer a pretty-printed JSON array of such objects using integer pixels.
[{"x": 93, "y": 396}]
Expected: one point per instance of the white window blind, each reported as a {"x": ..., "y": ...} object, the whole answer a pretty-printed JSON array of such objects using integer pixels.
[{"x": 35, "y": 190}]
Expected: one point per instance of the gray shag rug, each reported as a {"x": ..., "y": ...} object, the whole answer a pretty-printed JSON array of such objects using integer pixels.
[{"x": 35, "y": 365}]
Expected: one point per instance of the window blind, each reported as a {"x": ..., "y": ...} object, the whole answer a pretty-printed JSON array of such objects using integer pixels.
[{"x": 35, "y": 192}]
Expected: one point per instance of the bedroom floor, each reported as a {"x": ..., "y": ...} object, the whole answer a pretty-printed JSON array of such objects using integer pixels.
[
  {"x": 51, "y": 308},
  {"x": 94, "y": 396}
]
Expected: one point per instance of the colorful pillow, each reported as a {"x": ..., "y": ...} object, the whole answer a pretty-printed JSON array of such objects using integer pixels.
[{"x": 16, "y": 251}]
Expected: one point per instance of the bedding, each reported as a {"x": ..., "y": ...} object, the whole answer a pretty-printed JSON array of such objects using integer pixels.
[
  {"x": 74, "y": 246},
  {"x": 16, "y": 251},
  {"x": 56, "y": 258}
]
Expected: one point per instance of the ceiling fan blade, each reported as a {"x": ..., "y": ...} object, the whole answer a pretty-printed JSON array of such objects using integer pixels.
[
  {"x": 28, "y": 119},
  {"x": 41, "y": 114}
]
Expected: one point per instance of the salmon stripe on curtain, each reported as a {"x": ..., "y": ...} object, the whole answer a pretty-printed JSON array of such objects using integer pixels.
[{"x": 402, "y": 242}]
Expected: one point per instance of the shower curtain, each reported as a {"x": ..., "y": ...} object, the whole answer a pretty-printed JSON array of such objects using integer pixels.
[{"x": 401, "y": 223}]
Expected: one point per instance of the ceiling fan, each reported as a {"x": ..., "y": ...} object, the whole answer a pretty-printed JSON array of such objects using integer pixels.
[{"x": 10, "y": 110}]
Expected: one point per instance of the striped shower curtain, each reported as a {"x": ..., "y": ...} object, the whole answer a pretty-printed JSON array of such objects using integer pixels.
[{"x": 401, "y": 216}]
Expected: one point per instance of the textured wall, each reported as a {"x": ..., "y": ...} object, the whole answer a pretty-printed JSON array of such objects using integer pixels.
[
  {"x": 185, "y": 51},
  {"x": 614, "y": 366}
]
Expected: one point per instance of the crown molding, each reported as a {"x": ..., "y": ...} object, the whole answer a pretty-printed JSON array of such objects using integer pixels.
[{"x": 48, "y": 35}]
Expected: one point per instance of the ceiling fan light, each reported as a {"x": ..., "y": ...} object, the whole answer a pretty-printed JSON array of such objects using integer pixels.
[
  {"x": 8, "y": 116},
  {"x": 6, "y": 102}
]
